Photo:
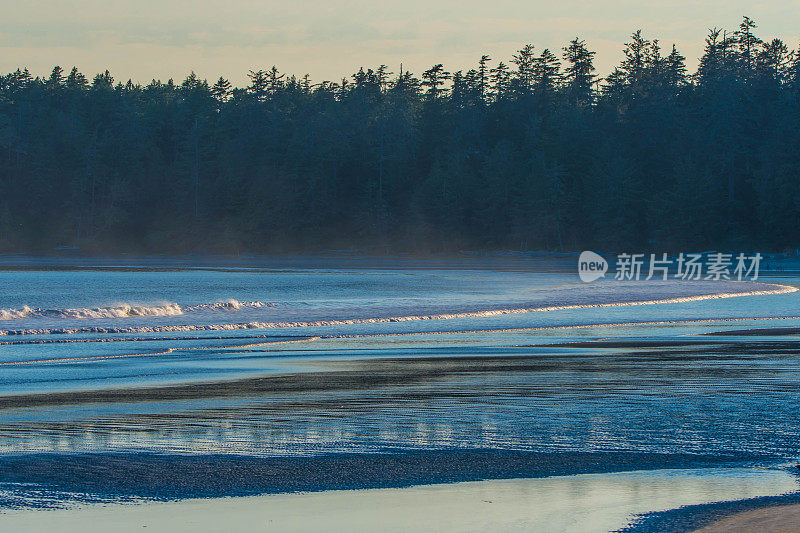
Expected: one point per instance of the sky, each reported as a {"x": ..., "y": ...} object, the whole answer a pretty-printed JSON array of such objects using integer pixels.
[{"x": 162, "y": 39}]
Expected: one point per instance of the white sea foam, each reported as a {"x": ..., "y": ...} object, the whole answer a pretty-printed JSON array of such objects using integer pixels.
[
  {"x": 11, "y": 314},
  {"x": 763, "y": 289},
  {"x": 228, "y": 305},
  {"x": 116, "y": 311},
  {"x": 127, "y": 310},
  {"x": 120, "y": 311}
]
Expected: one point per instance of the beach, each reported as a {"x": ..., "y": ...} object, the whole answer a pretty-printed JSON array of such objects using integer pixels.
[
  {"x": 581, "y": 503},
  {"x": 232, "y": 392},
  {"x": 779, "y": 519}
]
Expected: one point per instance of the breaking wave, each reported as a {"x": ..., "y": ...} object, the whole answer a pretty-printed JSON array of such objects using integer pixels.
[
  {"x": 126, "y": 310},
  {"x": 227, "y": 305},
  {"x": 11, "y": 314},
  {"x": 774, "y": 289}
]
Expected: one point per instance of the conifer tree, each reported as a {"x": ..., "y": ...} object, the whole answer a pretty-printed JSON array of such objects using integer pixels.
[
  {"x": 526, "y": 64},
  {"x": 483, "y": 76},
  {"x": 547, "y": 72},
  {"x": 221, "y": 90},
  {"x": 76, "y": 80},
  {"x": 56, "y": 79},
  {"x": 748, "y": 43},
  {"x": 500, "y": 77},
  {"x": 675, "y": 68},
  {"x": 259, "y": 84},
  {"x": 434, "y": 78},
  {"x": 578, "y": 72}
]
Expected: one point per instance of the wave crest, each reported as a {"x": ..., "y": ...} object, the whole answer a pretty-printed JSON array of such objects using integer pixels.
[
  {"x": 228, "y": 305},
  {"x": 11, "y": 314},
  {"x": 126, "y": 310}
]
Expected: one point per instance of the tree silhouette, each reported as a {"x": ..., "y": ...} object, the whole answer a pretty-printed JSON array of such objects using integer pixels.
[
  {"x": 578, "y": 73},
  {"x": 539, "y": 155}
]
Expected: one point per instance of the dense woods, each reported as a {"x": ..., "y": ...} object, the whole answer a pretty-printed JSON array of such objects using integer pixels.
[{"x": 533, "y": 152}]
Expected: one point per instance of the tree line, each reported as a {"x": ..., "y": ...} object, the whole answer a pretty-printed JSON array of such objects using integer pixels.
[{"x": 538, "y": 152}]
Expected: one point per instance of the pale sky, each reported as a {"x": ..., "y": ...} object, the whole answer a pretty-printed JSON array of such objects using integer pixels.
[{"x": 328, "y": 39}]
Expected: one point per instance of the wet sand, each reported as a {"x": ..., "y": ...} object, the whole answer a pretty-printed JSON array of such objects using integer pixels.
[
  {"x": 580, "y": 503},
  {"x": 780, "y": 519},
  {"x": 164, "y": 477}
]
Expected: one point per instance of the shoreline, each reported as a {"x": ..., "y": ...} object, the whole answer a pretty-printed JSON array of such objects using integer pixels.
[
  {"x": 773, "y": 519},
  {"x": 572, "y": 503},
  {"x": 722, "y": 517}
]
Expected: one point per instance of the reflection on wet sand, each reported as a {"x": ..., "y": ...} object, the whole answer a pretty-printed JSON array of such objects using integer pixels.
[{"x": 678, "y": 396}]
